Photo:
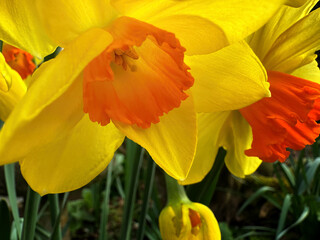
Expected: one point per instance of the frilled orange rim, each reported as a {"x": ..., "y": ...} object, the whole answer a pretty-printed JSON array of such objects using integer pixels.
[
  {"x": 138, "y": 77},
  {"x": 285, "y": 120},
  {"x": 19, "y": 60}
]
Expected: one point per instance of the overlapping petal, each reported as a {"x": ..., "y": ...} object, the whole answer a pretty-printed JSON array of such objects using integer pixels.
[
  {"x": 20, "y": 26},
  {"x": 231, "y": 20},
  {"x": 71, "y": 161},
  {"x": 262, "y": 40},
  {"x": 171, "y": 142},
  {"x": 53, "y": 104},
  {"x": 236, "y": 138},
  {"x": 66, "y": 20},
  {"x": 227, "y": 79},
  {"x": 209, "y": 130},
  {"x": 310, "y": 71},
  {"x": 291, "y": 50},
  {"x": 12, "y": 89}
]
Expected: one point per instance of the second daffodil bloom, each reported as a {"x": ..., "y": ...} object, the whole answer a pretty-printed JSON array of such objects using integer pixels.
[
  {"x": 182, "y": 219},
  {"x": 19, "y": 60},
  {"x": 287, "y": 118},
  {"x": 122, "y": 67}
]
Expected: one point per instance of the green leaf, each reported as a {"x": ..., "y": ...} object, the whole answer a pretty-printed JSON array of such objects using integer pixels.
[
  {"x": 147, "y": 193},
  {"x": 226, "y": 233},
  {"x": 288, "y": 174},
  {"x": 254, "y": 196},
  {"x": 311, "y": 170},
  {"x": 11, "y": 188},
  {"x": 30, "y": 215},
  {"x": 283, "y": 215},
  {"x": 132, "y": 174},
  {"x": 105, "y": 205},
  {"x": 302, "y": 217}
]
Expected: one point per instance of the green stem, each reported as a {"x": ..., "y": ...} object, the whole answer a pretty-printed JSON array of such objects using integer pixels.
[
  {"x": 105, "y": 207},
  {"x": 176, "y": 193},
  {"x": 148, "y": 190},
  {"x": 55, "y": 216},
  {"x": 131, "y": 190},
  {"x": 30, "y": 215}
]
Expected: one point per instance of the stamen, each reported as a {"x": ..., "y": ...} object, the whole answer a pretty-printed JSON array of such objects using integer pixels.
[
  {"x": 132, "y": 53},
  {"x": 118, "y": 60},
  {"x": 121, "y": 58}
]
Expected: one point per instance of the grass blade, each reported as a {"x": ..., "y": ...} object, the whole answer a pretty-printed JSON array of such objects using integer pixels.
[
  {"x": 30, "y": 215},
  {"x": 55, "y": 218},
  {"x": 105, "y": 206},
  {"x": 145, "y": 204},
  {"x": 11, "y": 188},
  {"x": 302, "y": 217},
  {"x": 131, "y": 188},
  {"x": 257, "y": 194},
  {"x": 283, "y": 215}
]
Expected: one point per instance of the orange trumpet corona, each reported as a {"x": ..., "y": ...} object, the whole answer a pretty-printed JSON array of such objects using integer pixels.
[{"x": 138, "y": 77}]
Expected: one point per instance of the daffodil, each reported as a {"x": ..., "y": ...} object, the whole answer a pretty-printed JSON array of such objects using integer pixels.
[
  {"x": 182, "y": 219},
  {"x": 123, "y": 67},
  {"x": 19, "y": 60},
  {"x": 12, "y": 89},
  {"x": 264, "y": 130}
]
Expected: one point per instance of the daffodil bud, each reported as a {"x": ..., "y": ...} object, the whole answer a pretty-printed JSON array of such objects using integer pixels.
[
  {"x": 186, "y": 221},
  {"x": 182, "y": 219},
  {"x": 12, "y": 88}
]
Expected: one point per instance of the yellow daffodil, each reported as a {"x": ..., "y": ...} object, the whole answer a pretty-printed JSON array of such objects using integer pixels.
[
  {"x": 12, "y": 89},
  {"x": 264, "y": 130},
  {"x": 123, "y": 67},
  {"x": 182, "y": 219}
]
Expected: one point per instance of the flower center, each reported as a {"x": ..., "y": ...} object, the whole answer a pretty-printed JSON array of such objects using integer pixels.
[
  {"x": 139, "y": 77},
  {"x": 286, "y": 120},
  {"x": 124, "y": 58}
]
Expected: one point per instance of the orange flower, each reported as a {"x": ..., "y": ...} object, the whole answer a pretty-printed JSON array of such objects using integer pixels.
[{"x": 19, "y": 60}]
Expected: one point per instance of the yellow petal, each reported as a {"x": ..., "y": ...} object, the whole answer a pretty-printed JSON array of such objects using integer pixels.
[
  {"x": 262, "y": 40},
  {"x": 53, "y": 103},
  {"x": 209, "y": 129},
  {"x": 197, "y": 34},
  {"x": 6, "y": 75},
  {"x": 296, "y": 46},
  {"x": 236, "y": 137},
  {"x": 237, "y": 19},
  {"x": 210, "y": 227},
  {"x": 231, "y": 78},
  {"x": 72, "y": 161},
  {"x": 310, "y": 72},
  {"x": 171, "y": 143},
  {"x": 65, "y": 20},
  {"x": 166, "y": 225},
  {"x": 20, "y": 26},
  {"x": 12, "y": 89}
]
